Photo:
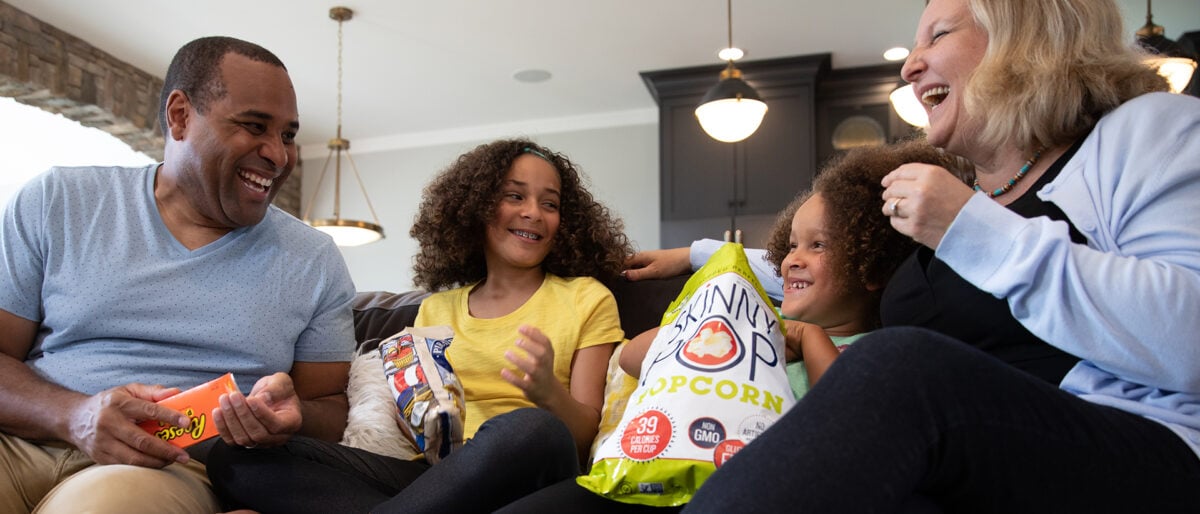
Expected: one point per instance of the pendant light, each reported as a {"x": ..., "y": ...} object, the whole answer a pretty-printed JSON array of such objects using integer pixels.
[
  {"x": 732, "y": 110},
  {"x": 1170, "y": 60},
  {"x": 911, "y": 110},
  {"x": 344, "y": 232}
]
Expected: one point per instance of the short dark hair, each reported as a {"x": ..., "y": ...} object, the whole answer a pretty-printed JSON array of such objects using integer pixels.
[{"x": 196, "y": 70}]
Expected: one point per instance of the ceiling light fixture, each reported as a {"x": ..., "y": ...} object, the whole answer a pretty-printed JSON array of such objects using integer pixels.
[
  {"x": 1171, "y": 61},
  {"x": 897, "y": 53},
  {"x": 904, "y": 100},
  {"x": 732, "y": 110},
  {"x": 344, "y": 232}
]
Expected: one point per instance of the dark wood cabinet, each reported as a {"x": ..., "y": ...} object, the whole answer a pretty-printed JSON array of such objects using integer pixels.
[
  {"x": 708, "y": 186},
  {"x": 852, "y": 101}
]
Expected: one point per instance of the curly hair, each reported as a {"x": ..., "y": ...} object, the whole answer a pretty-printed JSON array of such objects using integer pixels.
[
  {"x": 196, "y": 70},
  {"x": 458, "y": 204},
  {"x": 1079, "y": 46},
  {"x": 863, "y": 248}
]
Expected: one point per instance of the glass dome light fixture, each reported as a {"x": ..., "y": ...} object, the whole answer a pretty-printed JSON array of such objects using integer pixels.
[
  {"x": 731, "y": 110},
  {"x": 896, "y": 53},
  {"x": 1169, "y": 59},
  {"x": 904, "y": 100},
  {"x": 344, "y": 232}
]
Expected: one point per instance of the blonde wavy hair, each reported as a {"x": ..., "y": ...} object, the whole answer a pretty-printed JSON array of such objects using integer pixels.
[{"x": 1052, "y": 68}]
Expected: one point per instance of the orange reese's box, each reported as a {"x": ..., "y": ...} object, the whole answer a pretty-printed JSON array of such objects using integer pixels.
[{"x": 197, "y": 404}]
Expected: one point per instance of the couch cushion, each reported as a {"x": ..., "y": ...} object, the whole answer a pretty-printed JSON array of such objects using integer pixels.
[
  {"x": 380, "y": 314},
  {"x": 641, "y": 304}
]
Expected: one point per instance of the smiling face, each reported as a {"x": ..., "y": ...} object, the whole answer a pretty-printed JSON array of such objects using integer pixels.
[
  {"x": 811, "y": 290},
  {"x": 236, "y": 156},
  {"x": 522, "y": 230},
  {"x": 949, "y": 46}
]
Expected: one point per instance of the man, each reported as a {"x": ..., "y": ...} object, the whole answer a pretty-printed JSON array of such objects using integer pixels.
[{"x": 173, "y": 274}]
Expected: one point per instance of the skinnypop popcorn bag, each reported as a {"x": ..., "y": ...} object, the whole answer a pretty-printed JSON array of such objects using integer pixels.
[{"x": 712, "y": 380}]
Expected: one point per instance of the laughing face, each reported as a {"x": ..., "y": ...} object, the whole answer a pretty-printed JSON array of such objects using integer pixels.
[
  {"x": 522, "y": 231},
  {"x": 239, "y": 152},
  {"x": 811, "y": 290},
  {"x": 949, "y": 46}
]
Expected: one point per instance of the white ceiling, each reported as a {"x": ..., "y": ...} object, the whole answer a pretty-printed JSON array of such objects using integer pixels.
[{"x": 413, "y": 68}]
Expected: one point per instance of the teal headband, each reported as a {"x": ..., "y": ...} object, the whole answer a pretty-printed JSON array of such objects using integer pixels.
[{"x": 537, "y": 153}]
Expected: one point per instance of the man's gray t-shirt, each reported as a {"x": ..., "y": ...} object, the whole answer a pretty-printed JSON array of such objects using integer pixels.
[{"x": 120, "y": 300}]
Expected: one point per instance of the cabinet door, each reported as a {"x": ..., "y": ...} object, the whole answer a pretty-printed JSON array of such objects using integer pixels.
[
  {"x": 698, "y": 173},
  {"x": 777, "y": 162}
]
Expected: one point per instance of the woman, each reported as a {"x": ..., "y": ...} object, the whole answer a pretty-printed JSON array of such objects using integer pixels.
[{"x": 1085, "y": 225}]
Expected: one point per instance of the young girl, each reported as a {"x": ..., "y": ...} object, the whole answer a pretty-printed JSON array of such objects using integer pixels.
[
  {"x": 512, "y": 239},
  {"x": 834, "y": 251}
]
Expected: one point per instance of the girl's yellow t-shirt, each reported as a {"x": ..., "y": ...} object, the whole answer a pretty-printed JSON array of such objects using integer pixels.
[{"x": 574, "y": 313}]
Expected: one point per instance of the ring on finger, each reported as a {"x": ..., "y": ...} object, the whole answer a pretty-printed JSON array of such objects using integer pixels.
[{"x": 892, "y": 208}]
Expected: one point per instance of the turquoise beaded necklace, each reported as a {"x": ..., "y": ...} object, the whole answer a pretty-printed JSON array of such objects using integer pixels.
[{"x": 1016, "y": 178}]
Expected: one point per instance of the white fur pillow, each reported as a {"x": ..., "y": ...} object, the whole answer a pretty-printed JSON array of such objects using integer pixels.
[{"x": 372, "y": 420}]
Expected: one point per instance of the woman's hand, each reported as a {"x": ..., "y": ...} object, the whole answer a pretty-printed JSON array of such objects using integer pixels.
[
  {"x": 923, "y": 200},
  {"x": 535, "y": 375}
]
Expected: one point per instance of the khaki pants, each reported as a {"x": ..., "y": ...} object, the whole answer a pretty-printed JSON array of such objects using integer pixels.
[{"x": 53, "y": 478}]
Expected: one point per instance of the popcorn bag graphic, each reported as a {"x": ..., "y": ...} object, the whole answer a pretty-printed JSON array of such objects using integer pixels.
[{"x": 712, "y": 380}]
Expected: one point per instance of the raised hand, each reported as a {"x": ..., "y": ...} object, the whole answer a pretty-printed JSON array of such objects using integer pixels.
[
  {"x": 104, "y": 426},
  {"x": 535, "y": 367},
  {"x": 923, "y": 200},
  {"x": 267, "y": 417}
]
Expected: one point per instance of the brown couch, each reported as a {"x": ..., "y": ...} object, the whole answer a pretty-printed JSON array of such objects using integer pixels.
[{"x": 379, "y": 314}]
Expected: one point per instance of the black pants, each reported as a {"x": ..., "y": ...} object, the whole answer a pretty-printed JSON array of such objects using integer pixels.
[
  {"x": 568, "y": 496},
  {"x": 907, "y": 419},
  {"x": 510, "y": 456}
]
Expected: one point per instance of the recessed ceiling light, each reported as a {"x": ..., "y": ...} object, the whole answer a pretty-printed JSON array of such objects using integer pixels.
[
  {"x": 531, "y": 75},
  {"x": 898, "y": 53},
  {"x": 731, "y": 54}
]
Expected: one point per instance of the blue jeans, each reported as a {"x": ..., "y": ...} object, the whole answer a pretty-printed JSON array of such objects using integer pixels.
[
  {"x": 510, "y": 456},
  {"x": 907, "y": 419}
]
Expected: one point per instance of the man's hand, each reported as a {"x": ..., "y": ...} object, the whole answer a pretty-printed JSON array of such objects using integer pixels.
[
  {"x": 267, "y": 417},
  {"x": 650, "y": 264},
  {"x": 105, "y": 427}
]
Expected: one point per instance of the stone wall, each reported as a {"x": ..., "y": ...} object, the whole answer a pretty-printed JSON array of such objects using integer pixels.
[{"x": 45, "y": 67}]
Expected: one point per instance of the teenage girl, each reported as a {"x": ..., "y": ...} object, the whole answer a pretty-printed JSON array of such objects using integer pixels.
[{"x": 514, "y": 244}]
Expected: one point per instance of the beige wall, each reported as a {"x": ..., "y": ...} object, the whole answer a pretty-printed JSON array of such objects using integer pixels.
[{"x": 620, "y": 162}]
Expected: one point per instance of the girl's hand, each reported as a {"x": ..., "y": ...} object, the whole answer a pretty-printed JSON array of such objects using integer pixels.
[
  {"x": 810, "y": 343},
  {"x": 535, "y": 375},
  {"x": 923, "y": 200}
]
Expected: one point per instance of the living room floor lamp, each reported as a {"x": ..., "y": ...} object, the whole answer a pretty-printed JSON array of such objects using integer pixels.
[
  {"x": 344, "y": 232},
  {"x": 731, "y": 110}
]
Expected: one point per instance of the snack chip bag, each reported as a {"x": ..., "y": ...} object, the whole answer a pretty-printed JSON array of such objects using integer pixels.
[
  {"x": 713, "y": 379},
  {"x": 429, "y": 398}
]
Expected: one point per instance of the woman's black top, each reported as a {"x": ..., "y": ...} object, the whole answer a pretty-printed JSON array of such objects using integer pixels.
[{"x": 925, "y": 292}]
